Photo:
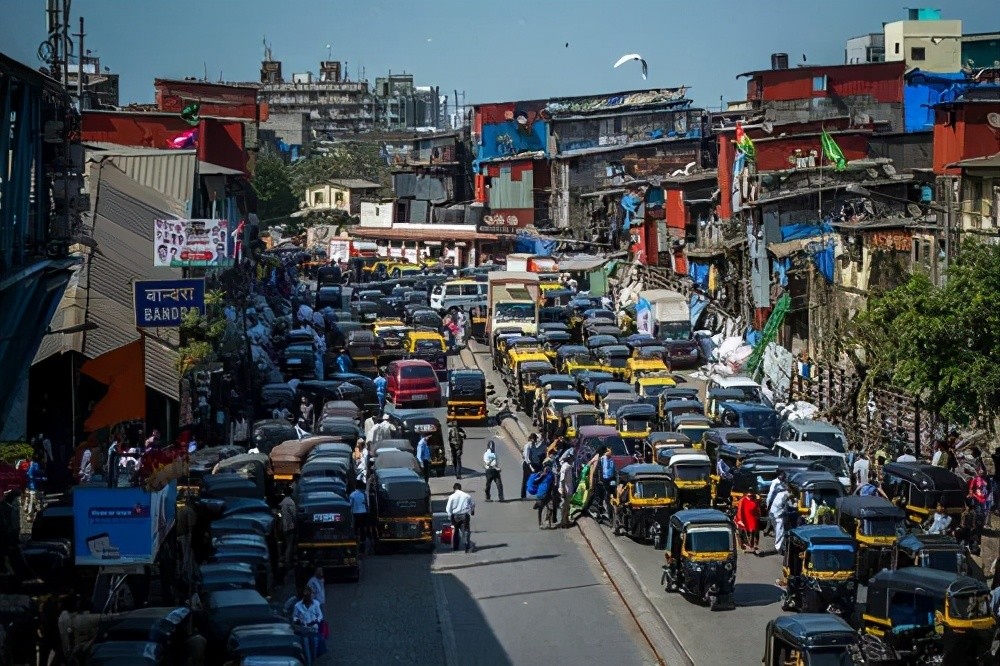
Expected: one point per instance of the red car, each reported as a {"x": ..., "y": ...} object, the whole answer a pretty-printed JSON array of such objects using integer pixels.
[
  {"x": 592, "y": 439},
  {"x": 412, "y": 383}
]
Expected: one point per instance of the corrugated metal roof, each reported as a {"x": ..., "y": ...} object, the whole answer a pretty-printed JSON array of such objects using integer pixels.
[
  {"x": 354, "y": 183},
  {"x": 172, "y": 173}
]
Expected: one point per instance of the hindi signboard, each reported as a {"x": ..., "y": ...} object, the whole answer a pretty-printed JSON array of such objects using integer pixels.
[
  {"x": 190, "y": 243},
  {"x": 164, "y": 303},
  {"x": 121, "y": 526}
]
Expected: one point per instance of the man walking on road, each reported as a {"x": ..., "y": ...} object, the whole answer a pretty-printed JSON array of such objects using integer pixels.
[
  {"x": 460, "y": 508},
  {"x": 359, "y": 510},
  {"x": 381, "y": 386},
  {"x": 424, "y": 456},
  {"x": 492, "y": 467},
  {"x": 287, "y": 510},
  {"x": 383, "y": 430},
  {"x": 534, "y": 454},
  {"x": 566, "y": 488},
  {"x": 606, "y": 474}
]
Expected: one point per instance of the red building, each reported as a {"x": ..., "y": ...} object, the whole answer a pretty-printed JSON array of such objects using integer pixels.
[
  {"x": 217, "y": 100},
  {"x": 962, "y": 131},
  {"x": 882, "y": 82}
]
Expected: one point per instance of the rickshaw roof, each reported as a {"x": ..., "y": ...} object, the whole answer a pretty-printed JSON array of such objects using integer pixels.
[
  {"x": 568, "y": 350},
  {"x": 244, "y": 459},
  {"x": 686, "y": 419},
  {"x": 328, "y": 448},
  {"x": 594, "y": 375},
  {"x": 769, "y": 462},
  {"x": 748, "y": 407},
  {"x": 656, "y": 437},
  {"x": 331, "y": 405},
  {"x": 930, "y": 580},
  {"x": 553, "y": 326},
  {"x": 316, "y": 498},
  {"x": 732, "y": 435},
  {"x": 679, "y": 404},
  {"x": 640, "y": 338},
  {"x": 643, "y": 470},
  {"x": 576, "y": 410},
  {"x": 869, "y": 507},
  {"x": 614, "y": 387},
  {"x": 685, "y": 455},
  {"x": 814, "y": 479},
  {"x": 913, "y": 542},
  {"x": 615, "y": 350},
  {"x": 552, "y": 379},
  {"x": 564, "y": 394},
  {"x": 819, "y": 629},
  {"x": 466, "y": 374},
  {"x": 925, "y": 476},
  {"x": 394, "y": 458},
  {"x": 598, "y": 431},
  {"x": 638, "y": 409},
  {"x": 601, "y": 340},
  {"x": 724, "y": 394},
  {"x": 535, "y": 364},
  {"x": 399, "y": 474},
  {"x": 554, "y": 336},
  {"x": 687, "y": 517},
  {"x": 522, "y": 340},
  {"x": 814, "y": 535},
  {"x": 680, "y": 394}
]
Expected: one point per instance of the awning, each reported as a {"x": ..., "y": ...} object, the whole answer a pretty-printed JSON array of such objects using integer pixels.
[{"x": 422, "y": 234}]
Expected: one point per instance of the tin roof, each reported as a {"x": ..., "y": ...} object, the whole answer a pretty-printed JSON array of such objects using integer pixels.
[{"x": 169, "y": 172}]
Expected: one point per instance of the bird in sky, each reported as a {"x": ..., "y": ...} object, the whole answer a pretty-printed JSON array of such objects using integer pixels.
[{"x": 633, "y": 56}]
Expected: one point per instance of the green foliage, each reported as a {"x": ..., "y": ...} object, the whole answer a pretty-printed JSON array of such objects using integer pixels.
[
  {"x": 11, "y": 452},
  {"x": 941, "y": 343},
  {"x": 202, "y": 334},
  {"x": 276, "y": 198},
  {"x": 345, "y": 160}
]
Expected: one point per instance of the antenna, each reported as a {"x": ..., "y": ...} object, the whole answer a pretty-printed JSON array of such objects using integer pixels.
[{"x": 205, "y": 64}]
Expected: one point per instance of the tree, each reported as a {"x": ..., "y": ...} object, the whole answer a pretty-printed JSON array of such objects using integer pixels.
[
  {"x": 273, "y": 186},
  {"x": 941, "y": 343},
  {"x": 344, "y": 160}
]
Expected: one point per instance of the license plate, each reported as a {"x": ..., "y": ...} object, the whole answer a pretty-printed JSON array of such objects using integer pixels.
[{"x": 419, "y": 396}]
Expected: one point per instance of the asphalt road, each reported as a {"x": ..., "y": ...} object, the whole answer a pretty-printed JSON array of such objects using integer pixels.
[
  {"x": 736, "y": 636},
  {"x": 522, "y": 595}
]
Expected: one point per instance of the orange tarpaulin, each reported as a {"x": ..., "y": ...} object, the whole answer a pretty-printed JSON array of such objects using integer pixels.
[{"x": 121, "y": 370}]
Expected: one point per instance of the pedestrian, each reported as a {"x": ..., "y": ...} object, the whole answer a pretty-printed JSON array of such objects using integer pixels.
[
  {"x": 967, "y": 531},
  {"x": 86, "y": 465},
  {"x": 776, "y": 511},
  {"x": 186, "y": 520},
  {"x": 773, "y": 490},
  {"x": 317, "y": 585},
  {"x": 461, "y": 320},
  {"x": 36, "y": 483},
  {"x": 940, "y": 457},
  {"x": 460, "y": 509},
  {"x": 424, "y": 456},
  {"x": 492, "y": 467},
  {"x": 533, "y": 455},
  {"x": 940, "y": 521},
  {"x": 456, "y": 443},
  {"x": 606, "y": 469},
  {"x": 114, "y": 456},
  {"x": 362, "y": 525},
  {"x": 567, "y": 486},
  {"x": 907, "y": 456},
  {"x": 748, "y": 521},
  {"x": 446, "y": 331},
  {"x": 383, "y": 430},
  {"x": 287, "y": 512},
  {"x": 381, "y": 385},
  {"x": 307, "y": 615},
  {"x": 306, "y": 411},
  {"x": 862, "y": 469},
  {"x": 344, "y": 363}
]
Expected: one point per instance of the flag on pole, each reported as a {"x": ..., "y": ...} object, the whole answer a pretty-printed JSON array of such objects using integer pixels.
[
  {"x": 744, "y": 143},
  {"x": 833, "y": 152}
]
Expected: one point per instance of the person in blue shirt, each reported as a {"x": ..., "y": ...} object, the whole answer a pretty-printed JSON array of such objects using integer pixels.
[
  {"x": 359, "y": 509},
  {"x": 605, "y": 474},
  {"x": 424, "y": 456},
  {"x": 36, "y": 478},
  {"x": 381, "y": 384},
  {"x": 344, "y": 363}
]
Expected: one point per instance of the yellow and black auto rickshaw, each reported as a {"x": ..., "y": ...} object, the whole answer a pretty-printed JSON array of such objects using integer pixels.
[
  {"x": 659, "y": 441},
  {"x": 556, "y": 401},
  {"x": 810, "y": 638},
  {"x": 700, "y": 557},
  {"x": 324, "y": 535},
  {"x": 428, "y": 346},
  {"x": 635, "y": 423},
  {"x": 691, "y": 470},
  {"x": 876, "y": 525},
  {"x": 815, "y": 493},
  {"x": 644, "y": 500},
  {"x": 926, "y": 616},
  {"x": 363, "y": 348},
  {"x": 477, "y": 321},
  {"x": 467, "y": 396},
  {"x": 401, "y": 505},
  {"x": 920, "y": 487},
  {"x": 575, "y": 417},
  {"x": 526, "y": 368},
  {"x": 935, "y": 551},
  {"x": 819, "y": 570},
  {"x": 645, "y": 364}
]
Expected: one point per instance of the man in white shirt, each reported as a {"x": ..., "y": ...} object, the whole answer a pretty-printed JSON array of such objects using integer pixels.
[
  {"x": 317, "y": 585},
  {"x": 460, "y": 508},
  {"x": 907, "y": 456},
  {"x": 776, "y": 485},
  {"x": 383, "y": 430},
  {"x": 308, "y": 614},
  {"x": 862, "y": 469},
  {"x": 566, "y": 489}
]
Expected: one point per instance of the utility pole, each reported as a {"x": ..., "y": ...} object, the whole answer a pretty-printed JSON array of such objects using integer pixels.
[
  {"x": 949, "y": 208},
  {"x": 66, "y": 44},
  {"x": 79, "y": 68}
]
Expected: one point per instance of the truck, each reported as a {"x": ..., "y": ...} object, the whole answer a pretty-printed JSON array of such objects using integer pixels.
[
  {"x": 671, "y": 323},
  {"x": 512, "y": 300}
]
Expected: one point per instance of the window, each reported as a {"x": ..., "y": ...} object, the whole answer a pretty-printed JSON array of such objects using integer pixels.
[
  {"x": 918, "y": 53},
  {"x": 897, "y": 47},
  {"x": 339, "y": 197},
  {"x": 819, "y": 83},
  {"x": 317, "y": 198},
  {"x": 469, "y": 290}
]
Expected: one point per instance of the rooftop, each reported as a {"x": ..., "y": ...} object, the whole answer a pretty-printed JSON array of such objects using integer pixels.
[{"x": 354, "y": 184}]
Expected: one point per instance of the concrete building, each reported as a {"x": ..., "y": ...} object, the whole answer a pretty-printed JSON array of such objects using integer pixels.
[
  {"x": 865, "y": 48},
  {"x": 100, "y": 87},
  {"x": 925, "y": 41},
  {"x": 341, "y": 194},
  {"x": 981, "y": 49},
  {"x": 400, "y": 104}
]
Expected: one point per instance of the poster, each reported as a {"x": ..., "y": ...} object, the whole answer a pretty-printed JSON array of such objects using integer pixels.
[
  {"x": 644, "y": 317},
  {"x": 190, "y": 243},
  {"x": 164, "y": 303},
  {"x": 121, "y": 526}
]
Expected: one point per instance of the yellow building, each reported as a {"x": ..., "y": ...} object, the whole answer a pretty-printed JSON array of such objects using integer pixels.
[{"x": 341, "y": 194}]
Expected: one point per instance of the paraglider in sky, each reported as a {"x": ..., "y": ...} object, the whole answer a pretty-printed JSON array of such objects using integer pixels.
[{"x": 632, "y": 56}]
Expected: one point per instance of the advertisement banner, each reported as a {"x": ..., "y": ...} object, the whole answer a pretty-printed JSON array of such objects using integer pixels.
[
  {"x": 644, "y": 317},
  {"x": 163, "y": 303},
  {"x": 121, "y": 526},
  {"x": 190, "y": 243}
]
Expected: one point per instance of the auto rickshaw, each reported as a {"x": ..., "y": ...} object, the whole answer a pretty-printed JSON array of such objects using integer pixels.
[
  {"x": 467, "y": 395},
  {"x": 643, "y": 502},
  {"x": 363, "y": 348},
  {"x": 603, "y": 389},
  {"x": 815, "y": 494},
  {"x": 635, "y": 423},
  {"x": 756, "y": 472},
  {"x": 811, "y": 638},
  {"x": 935, "y": 551},
  {"x": 611, "y": 402},
  {"x": 922, "y": 616},
  {"x": 876, "y": 524},
  {"x": 551, "y": 341},
  {"x": 596, "y": 341},
  {"x": 760, "y": 420},
  {"x": 644, "y": 362},
  {"x": 669, "y": 408},
  {"x": 920, "y": 487},
  {"x": 613, "y": 359},
  {"x": 587, "y": 381},
  {"x": 477, "y": 321},
  {"x": 546, "y": 383},
  {"x": 575, "y": 417},
  {"x": 712, "y": 440},
  {"x": 691, "y": 471},
  {"x": 401, "y": 502},
  {"x": 527, "y": 368},
  {"x": 428, "y": 346},
  {"x": 692, "y": 425},
  {"x": 552, "y": 410},
  {"x": 715, "y": 397},
  {"x": 520, "y": 344},
  {"x": 324, "y": 536},
  {"x": 412, "y": 424},
  {"x": 579, "y": 355},
  {"x": 554, "y": 326},
  {"x": 701, "y": 557},
  {"x": 660, "y": 441},
  {"x": 652, "y": 384},
  {"x": 819, "y": 570}
]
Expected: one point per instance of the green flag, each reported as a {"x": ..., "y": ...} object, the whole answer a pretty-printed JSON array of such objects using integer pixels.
[{"x": 832, "y": 151}]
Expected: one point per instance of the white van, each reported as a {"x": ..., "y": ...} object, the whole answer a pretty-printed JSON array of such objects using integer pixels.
[
  {"x": 834, "y": 461},
  {"x": 457, "y": 293}
]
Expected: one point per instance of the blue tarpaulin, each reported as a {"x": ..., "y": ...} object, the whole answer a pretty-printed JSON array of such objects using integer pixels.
[
  {"x": 630, "y": 202},
  {"x": 509, "y": 138},
  {"x": 804, "y": 230},
  {"x": 781, "y": 266},
  {"x": 534, "y": 245},
  {"x": 752, "y": 337},
  {"x": 697, "y": 306},
  {"x": 698, "y": 273},
  {"x": 822, "y": 258},
  {"x": 925, "y": 89}
]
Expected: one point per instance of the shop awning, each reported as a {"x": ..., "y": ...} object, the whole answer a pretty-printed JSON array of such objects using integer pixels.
[{"x": 422, "y": 234}]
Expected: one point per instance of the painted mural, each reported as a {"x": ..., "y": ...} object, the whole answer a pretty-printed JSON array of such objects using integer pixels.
[{"x": 507, "y": 130}]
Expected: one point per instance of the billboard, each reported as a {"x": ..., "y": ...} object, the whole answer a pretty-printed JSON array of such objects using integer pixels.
[
  {"x": 163, "y": 303},
  {"x": 190, "y": 243},
  {"x": 121, "y": 526}
]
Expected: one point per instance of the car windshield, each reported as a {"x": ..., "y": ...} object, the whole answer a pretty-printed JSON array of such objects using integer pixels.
[
  {"x": 826, "y": 496},
  {"x": 653, "y": 390},
  {"x": 882, "y": 527},
  {"x": 613, "y": 405},
  {"x": 833, "y": 464},
  {"x": 586, "y": 420},
  {"x": 651, "y": 489},
  {"x": 692, "y": 471},
  {"x": 829, "y": 657},
  {"x": 613, "y": 442},
  {"x": 831, "y": 559},
  {"x": 674, "y": 330},
  {"x": 514, "y": 311},
  {"x": 759, "y": 419},
  {"x": 417, "y": 372},
  {"x": 942, "y": 560},
  {"x": 832, "y": 439},
  {"x": 969, "y": 607},
  {"x": 428, "y": 345},
  {"x": 709, "y": 540},
  {"x": 616, "y": 361},
  {"x": 635, "y": 424}
]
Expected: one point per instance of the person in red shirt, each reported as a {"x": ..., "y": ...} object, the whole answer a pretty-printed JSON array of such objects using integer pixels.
[{"x": 748, "y": 521}]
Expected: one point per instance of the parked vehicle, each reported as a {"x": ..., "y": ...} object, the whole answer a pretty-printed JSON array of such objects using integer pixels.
[
  {"x": 811, "y": 639},
  {"x": 920, "y": 487},
  {"x": 324, "y": 536},
  {"x": 467, "y": 396},
  {"x": 834, "y": 462},
  {"x": 935, "y": 551},
  {"x": 701, "y": 557},
  {"x": 412, "y": 383},
  {"x": 876, "y": 525},
  {"x": 645, "y": 499},
  {"x": 819, "y": 570},
  {"x": 814, "y": 431},
  {"x": 401, "y": 504}
]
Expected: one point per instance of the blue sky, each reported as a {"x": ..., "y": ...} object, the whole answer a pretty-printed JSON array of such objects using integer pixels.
[{"x": 494, "y": 51}]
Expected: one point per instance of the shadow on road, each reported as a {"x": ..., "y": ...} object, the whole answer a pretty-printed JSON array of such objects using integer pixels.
[
  {"x": 756, "y": 594},
  {"x": 509, "y": 560},
  {"x": 554, "y": 589},
  {"x": 475, "y": 644}
]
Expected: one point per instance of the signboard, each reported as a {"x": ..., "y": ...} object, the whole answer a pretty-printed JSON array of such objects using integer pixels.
[
  {"x": 644, "y": 317},
  {"x": 121, "y": 526},
  {"x": 499, "y": 224},
  {"x": 163, "y": 303},
  {"x": 190, "y": 243}
]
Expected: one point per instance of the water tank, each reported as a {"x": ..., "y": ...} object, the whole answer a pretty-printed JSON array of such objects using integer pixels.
[{"x": 779, "y": 61}]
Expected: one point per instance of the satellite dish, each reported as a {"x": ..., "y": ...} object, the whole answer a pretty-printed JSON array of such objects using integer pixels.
[
  {"x": 993, "y": 120},
  {"x": 914, "y": 210},
  {"x": 767, "y": 126}
]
